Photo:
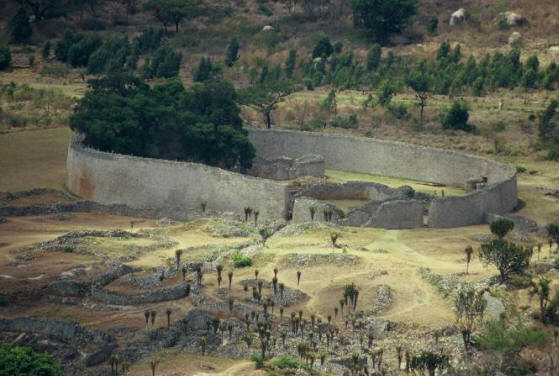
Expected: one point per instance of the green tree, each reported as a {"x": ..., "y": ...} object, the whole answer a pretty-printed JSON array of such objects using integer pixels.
[
  {"x": 165, "y": 63},
  {"x": 433, "y": 24},
  {"x": 420, "y": 82},
  {"x": 385, "y": 92},
  {"x": 44, "y": 9},
  {"x": 457, "y": 118},
  {"x": 203, "y": 70},
  {"x": 506, "y": 256},
  {"x": 121, "y": 113},
  {"x": 265, "y": 98},
  {"x": 290, "y": 63},
  {"x": 501, "y": 227},
  {"x": 546, "y": 126},
  {"x": 5, "y": 55},
  {"x": 23, "y": 361},
  {"x": 232, "y": 53},
  {"x": 323, "y": 48},
  {"x": 553, "y": 232},
  {"x": 20, "y": 28},
  {"x": 469, "y": 307},
  {"x": 383, "y": 17},
  {"x": 45, "y": 50},
  {"x": 172, "y": 11},
  {"x": 373, "y": 57}
]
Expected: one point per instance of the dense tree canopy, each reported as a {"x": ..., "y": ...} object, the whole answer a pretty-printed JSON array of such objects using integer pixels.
[
  {"x": 122, "y": 114},
  {"x": 383, "y": 17},
  {"x": 22, "y": 361}
]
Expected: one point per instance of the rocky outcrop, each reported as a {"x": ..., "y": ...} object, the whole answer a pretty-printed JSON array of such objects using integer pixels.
[
  {"x": 515, "y": 38},
  {"x": 458, "y": 17},
  {"x": 509, "y": 19}
]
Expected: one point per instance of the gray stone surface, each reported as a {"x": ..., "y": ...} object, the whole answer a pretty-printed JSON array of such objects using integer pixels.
[
  {"x": 285, "y": 168},
  {"x": 301, "y": 211},
  {"x": 402, "y": 160},
  {"x": 398, "y": 214},
  {"x": 355, "y": 190},
  {"x": 494, "y": 308},
  {"x": 175, "y": 189}
]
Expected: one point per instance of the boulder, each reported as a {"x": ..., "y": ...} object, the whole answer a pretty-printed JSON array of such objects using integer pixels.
[
  {"x": 268, "y": 28},
  {"x": 494, "y": 308},
  {"x": 458, "y": 17},
  {"x": 510, "y": 19},
  {"x": 380, "y": 328},
  {"x": 515, "y": 38}
]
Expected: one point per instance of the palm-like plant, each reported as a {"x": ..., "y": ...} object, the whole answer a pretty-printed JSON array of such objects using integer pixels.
[
  {"x": 168, "y": 313},
  {"x": 153, "y": 364},
  {"x": 298, "y": 277},
  {"x": 178, "y": 254},
  {"x": 469, "y": 251},
  {"x": 146, "y": 316},
  {"x": 153, "y": 314},
  {"x": 256, "y": 213},
  {"x": 312, "y": 211},
  {"x": 219, "y": 269},
  {"x": 203, "y": 343},
  {"x": 230, "y": 277}
]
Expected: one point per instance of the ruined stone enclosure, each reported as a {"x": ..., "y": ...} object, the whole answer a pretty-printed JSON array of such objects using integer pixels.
[{"x": 182, "y": 190}]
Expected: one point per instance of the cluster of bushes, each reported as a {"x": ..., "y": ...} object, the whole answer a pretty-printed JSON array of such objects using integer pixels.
[
  {"x": 117, "y": 54},
  {"x": 27, "y": 105},
  {"x": 19, "y": 361},
  {"x": 240, "y": 260},
  {"x": 448, "y": 73},
  {"x": 121, "y": 113}
]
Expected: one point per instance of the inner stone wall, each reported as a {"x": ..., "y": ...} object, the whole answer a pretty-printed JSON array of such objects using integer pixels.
[
  {"x": 173, "y": 189},
  {"x": 366, "y": 155}
]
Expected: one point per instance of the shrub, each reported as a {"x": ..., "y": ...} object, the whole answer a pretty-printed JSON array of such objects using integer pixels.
[
  {"x": 290, "y": 63},
  {"x": 45, "y": 50},
  {"x": 507, "y": 257},
  {"x": 433, "y": 24},
  {"x": 457, "y": 118},
  {"x": 5, "y": 58},
  {"x": 385, "y": 93},
  {"x": 20, "y": 28},
  {"x": 110, "y": 57},
  {"x": 203, "y": 70},
  {"x": 79, "y": 53},
  {"x": 553, "y": 155},
  {"x": 323, "y": 48},
  {"x": 165, "y": 63},
  {"x": 520, "y": 169},
  {"x": 287, "y": 362},
  {"x": 240, "y": 260},
  {"x": 373, "y": 57},
  {"x": 232, "y": 53},
  {"x": 501, "y": 227},
  {"x": 381, "y": 17},
  {"x": 23, "y": 361}
]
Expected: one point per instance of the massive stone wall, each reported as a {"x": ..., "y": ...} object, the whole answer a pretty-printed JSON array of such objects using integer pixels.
[
  {"x": 397, "y": 159},
  {"x": 173, "y": 189}
]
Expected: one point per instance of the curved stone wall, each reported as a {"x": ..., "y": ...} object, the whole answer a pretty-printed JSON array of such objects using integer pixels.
[
  {"x": 366, "y": 155},
  {"x": 172, "y": 189}
]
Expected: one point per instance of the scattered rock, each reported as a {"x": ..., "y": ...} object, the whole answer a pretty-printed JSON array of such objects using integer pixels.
[
  {"x": 515, "y": 38},
  {"x": 268, "y": 28},
  {"x": 458, "y": 17},
  {"x": 382, "y": 301},
  {"x": 314, "y": 259},
  {"x": 495, "y": 307},
  {"x": 62, "y": 217},
  {"x": 509, "y": 19}
]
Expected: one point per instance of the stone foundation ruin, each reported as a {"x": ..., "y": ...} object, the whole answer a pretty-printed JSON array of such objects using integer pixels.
[{"x": 182, "y": 189}]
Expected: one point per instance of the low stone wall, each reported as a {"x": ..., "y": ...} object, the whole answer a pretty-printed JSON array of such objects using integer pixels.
[
  {"x": 173, "y": 189},
  {"x": 162, "y": 295},
  {"x": 367, "y": 155},
  {"x": 355, "y": 190}
]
